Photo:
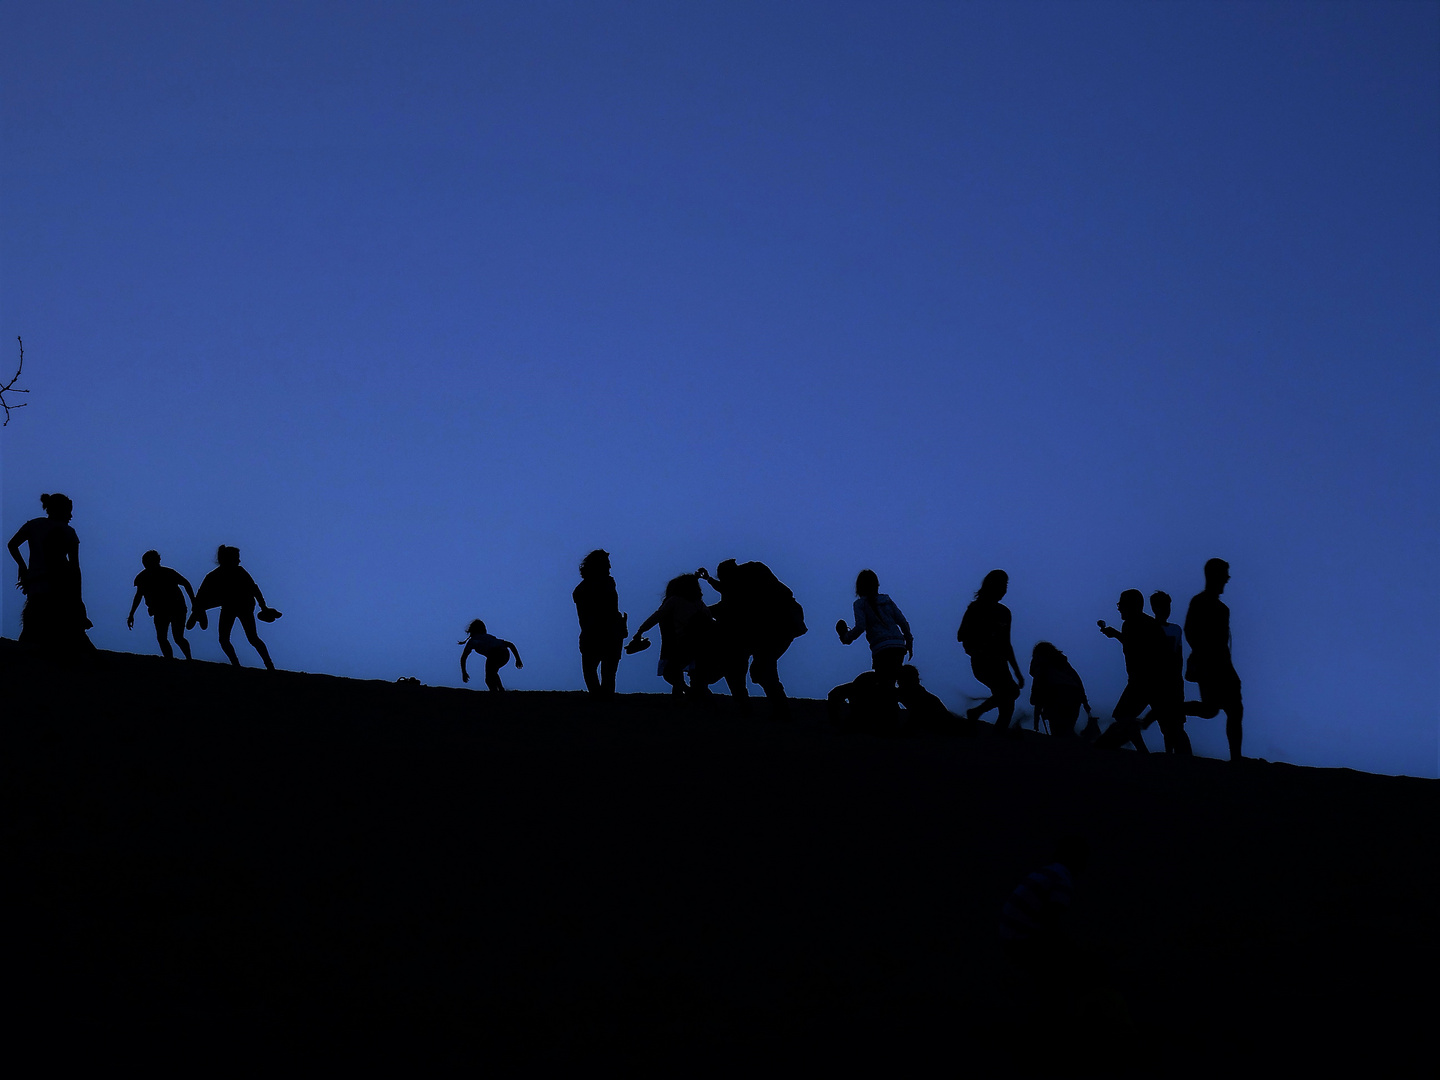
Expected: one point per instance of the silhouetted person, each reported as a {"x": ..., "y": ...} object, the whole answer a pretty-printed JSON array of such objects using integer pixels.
[
  {"x": 1056, "y": 691},
  {"x": 884, "y": 626},
  {"x": 761, "y": 618},
  {"x": 159, "y": 586},
  {"x": 684, "y": 623},
  {"x": 602, "y": 626},
  {"x": 231, "y": 588},
  {"x": 495, "y": 650},
  {"x": 866, "y": 704},
  {"x": 1169, "y": 705},
  {"x": 1144, "y": 646},
  {"x": 54, "y": 619},
  {"x": 985, "y": 634},
  {"x": 1034, "y": 922},
  {"x": 1207, "y": 629},
  {"x": 922, "y": 708}
]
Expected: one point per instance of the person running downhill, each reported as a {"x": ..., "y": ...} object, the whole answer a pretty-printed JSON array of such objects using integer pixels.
[
  {"x": 1207, "y": 629},
  {"x": 495, "y": 650},
  {"x": 231, "y": 588},
  {"x": 884, "y": 627},
  {"x": 602, "y": 626},
  {"x": 159, "y": 586},
  {"x": 985, "y": 634}
]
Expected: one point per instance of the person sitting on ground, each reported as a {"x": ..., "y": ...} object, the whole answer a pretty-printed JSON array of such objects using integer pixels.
[
  {"x": 923, "y": 709},
  {"x": 884, "y": 626},
  {"x": 1144, "y": 646},
  {"x": 495, "y": 650},
  {"x": 866, "y": 704},
  {"x": 159, "y": 586},
  {"x": 1170, "y": 690},
  {"x": 685, "y": 637},
  {"x": 985, "y": 634},
  {"x": 231, "y": 588},
  {"x": 1056, "y": 692}
]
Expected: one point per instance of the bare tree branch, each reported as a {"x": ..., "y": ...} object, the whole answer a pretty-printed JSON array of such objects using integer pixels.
[{"x": 11, "y": 388}]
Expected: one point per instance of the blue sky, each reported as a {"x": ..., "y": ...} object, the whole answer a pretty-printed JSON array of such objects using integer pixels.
[{"x": 417, "y": 304}]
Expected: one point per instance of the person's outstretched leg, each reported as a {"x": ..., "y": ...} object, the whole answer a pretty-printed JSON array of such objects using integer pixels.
[
  {"x": 765, "y": 672},
  {"x": 227, "y": 623},
  {"x": 1233, "y": 732},
  {"x": 247, "y": 621},
  {"x": 492, "y": 671},
  {"x": 177, "y": 626},
  {"x": 162, "y": 629}
]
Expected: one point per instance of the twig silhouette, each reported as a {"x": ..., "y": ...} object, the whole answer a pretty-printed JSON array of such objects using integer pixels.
[{"x": 11, "y": 388}]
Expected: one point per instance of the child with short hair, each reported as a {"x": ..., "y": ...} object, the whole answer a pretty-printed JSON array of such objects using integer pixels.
[
  {"x": 495, "y": 650},
  {"x": 159, "y": 586}
]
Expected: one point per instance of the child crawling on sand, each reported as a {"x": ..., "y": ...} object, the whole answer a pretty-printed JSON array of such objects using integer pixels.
[{"x": 496, "y": 653}]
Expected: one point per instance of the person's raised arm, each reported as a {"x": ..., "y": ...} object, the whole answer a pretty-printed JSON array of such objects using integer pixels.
[
  {"x": 704, "y": 575},
  {"x": 130, "y": 619},
  {"x": 511, "y": 646}
]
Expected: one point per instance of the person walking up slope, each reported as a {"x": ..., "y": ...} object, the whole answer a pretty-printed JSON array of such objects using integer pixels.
[
  {"x": 1207, "y": 629},
  {"x": 884, "y": 626},
  {"x": 985, "y": 634},
  {"x": 231, "y": 588},
  {"x": 159, "y": 586}
]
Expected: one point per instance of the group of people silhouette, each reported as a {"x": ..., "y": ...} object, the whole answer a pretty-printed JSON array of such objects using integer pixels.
[
  {"x": 54, "y": 621},
  {"x": 744, "y": 632}
]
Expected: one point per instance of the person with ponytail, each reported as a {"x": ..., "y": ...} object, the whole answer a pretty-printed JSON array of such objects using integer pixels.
[
  {"x": 985, "y": 634},
  {"x": 54, "y": 617},
  {"x": 884, "y": 626}
]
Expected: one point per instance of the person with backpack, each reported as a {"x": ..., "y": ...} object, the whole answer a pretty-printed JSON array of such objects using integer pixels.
[
  {"x": 985, "y": 635},
  {"x": 759, "y": 618},
  {"x": 884, "y": 626}
]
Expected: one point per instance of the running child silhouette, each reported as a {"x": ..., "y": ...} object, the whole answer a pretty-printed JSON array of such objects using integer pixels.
[
  {"x": 495, "y": 650},
  {"x": 231, "y": 588},
  {"x": 159, "y": 586}
]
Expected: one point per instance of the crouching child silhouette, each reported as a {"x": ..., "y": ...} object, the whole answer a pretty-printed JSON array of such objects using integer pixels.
[
  {"x": 495, "y": 650},
  {"x": 159, "y": 586},
  {"x": 231, "y": 588}
]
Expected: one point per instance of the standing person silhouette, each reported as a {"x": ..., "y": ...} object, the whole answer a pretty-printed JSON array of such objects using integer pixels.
[
  {"x": 1056, "y": 691},
  {"x": 685, "y": 625},
  {"x": 231, "y": 588},
  {"x": 602, "y": 626},
  {"x": 495, "y": 650},
  {"x": 159, "y": 586},
  {"x": 884, "y": 626},
  {"x": 53, "y": 619},
  {"x": 1145, "y": 647},
  {"x": 764, "y": 618},
  {"x": 985, "y": 634},
  {"x": 1207, "y": 629},
  {"x": 1169, "y": 705}
]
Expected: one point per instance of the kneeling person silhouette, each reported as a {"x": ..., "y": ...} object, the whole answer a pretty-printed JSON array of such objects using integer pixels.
[
  {"x": 495, "y": 650},
  {"x": 159, "y": 586}
]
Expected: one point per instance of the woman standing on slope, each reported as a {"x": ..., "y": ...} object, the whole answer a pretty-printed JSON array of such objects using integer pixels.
[
  {"x": 602, "y": 627},
  {"x": 884, "y": 627},
  {"x": 985, "y": 633},
  {"x": 54, "y": 616},
  {"x": 231, "y": 588}
]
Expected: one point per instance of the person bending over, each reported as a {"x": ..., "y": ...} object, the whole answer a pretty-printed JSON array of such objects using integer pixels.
[
  {"x": 495, "y": 650},
  {"x": 159, "y": 586}
]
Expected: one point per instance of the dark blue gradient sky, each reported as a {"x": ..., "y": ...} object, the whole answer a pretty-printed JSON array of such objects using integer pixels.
[{"x": 417, "y": 306}]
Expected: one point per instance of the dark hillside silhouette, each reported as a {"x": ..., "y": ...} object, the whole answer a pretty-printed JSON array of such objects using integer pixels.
[{"x": 358, "y": 869}]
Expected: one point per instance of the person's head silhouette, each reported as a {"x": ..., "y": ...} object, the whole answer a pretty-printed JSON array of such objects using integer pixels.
[
  {"x": 476, "y": 628},
  {"x": 684, "y": 587},
  {"x": 595, "y": 565},
  {"x": 58, "y": 507},
  {"x": 995, "y": 585},
  {"x": 1217, "y": 574},
  {"x": 1131, "y": 604},
  {"x": 150, "y": 560},
  {"x": 226, "y": 555},
  {"x": 1160, "y": 605},
  {"x": 866, "y": 583}
]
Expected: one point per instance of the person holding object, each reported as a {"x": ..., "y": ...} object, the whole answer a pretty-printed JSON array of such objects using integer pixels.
[
  {"x": 686, "y": 636},
  {"x": 759, "y": 617},
  {"x": 159, "y": 586},
  {"x": 495, "y": 650},
  {"x": 231, "y": 588},
  {"x": 884, "y": 626},
  {"x": 1145, "y": 648},
  {"x": 985, "y": 634}
]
